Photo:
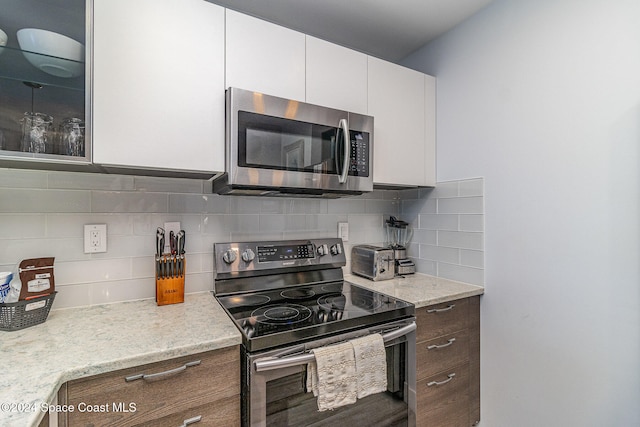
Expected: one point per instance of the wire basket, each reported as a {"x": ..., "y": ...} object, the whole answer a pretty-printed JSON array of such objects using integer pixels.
[{"x": 22, "y": 314}]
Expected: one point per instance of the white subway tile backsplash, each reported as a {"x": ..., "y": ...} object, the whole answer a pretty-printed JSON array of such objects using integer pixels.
[
  {"x": 474, "y": 276},
  {"x": 270, "y": 205},
  {"x": 72, "y": 225},
  {"x": 25, "y": 200},
  {"x": 18, "y": 178},
  {"x": 305, "y": 206},
  {"x": 471, "y": 187},
  {"x": 346, "y": 205},
  {"x": 461, "y": 205},
  {"x": 128, "y": 202},
  {"x": 89, "y": 181},
  {"x": 446, "y": 190},
  {"x": 439, "y": 222},
  {"x": 472, "y": 222},
  {"x": 13, "y": 226},
  {"x": 440, "y": 253},
  {"x": 449, "y": 233},
  {"x": 384, "y": 207},
  {"x": 198, "y": 203},
  {"x": 423, "y": 236},
  {"x": 167, "y": 185},
  {"x": 461, "y": 239},
  {"x": 12, "y": 251},
  {"x": 46, "y": 212},
  {"x": 472, "y": 258},
  {"x": 92, "y": 270}
]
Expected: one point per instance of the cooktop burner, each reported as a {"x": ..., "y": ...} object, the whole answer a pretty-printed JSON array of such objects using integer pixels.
[
  {"x": 316, "y": 310},
  {"x": 299, "y": 293}
]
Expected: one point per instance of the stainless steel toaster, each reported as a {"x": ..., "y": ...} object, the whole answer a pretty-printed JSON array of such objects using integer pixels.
[{"x": 373, "y": 262}]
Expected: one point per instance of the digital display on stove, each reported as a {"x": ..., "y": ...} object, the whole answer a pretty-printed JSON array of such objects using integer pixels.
[{"x": 285, "y": 253}]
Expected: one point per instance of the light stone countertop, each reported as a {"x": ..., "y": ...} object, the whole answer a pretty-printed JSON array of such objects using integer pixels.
[
  {"x": 420, "y": 289},
  {"x": 79, "y": 342}
]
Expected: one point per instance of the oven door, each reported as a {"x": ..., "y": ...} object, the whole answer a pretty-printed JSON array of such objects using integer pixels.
[
  {"x": 275, "y": 142},
  {"x": 274, "y": 385}
]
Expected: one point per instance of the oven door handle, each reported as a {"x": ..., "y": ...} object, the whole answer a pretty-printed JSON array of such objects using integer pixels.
[{"x": 268, "y": 364}]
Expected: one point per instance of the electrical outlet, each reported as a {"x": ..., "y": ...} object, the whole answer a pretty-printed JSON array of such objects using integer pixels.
[
  {"x": 343, "y": 231},
  {"x": 95, "y": 238}
]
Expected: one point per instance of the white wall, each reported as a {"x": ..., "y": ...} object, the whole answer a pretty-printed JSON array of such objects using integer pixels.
[{"x": 542, "y": 99}]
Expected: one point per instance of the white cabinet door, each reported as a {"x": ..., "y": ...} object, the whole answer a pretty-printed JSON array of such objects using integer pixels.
[
  {"x": 158, "y": 85},
  {"x": 336, "y": 76},
  {"x": 430, "y": 131},
  {"x": 397, "y": 103},
  {"x": 264, "y": 57}
]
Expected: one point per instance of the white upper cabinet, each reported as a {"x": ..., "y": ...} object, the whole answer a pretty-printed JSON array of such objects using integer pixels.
[
  {"x": 430, "y": 130},
  {"x": 158, "y": 86},
  {"x": 264, "y": 57},
  {"x": 336, "y": 77},
  {"x": 397, "y": 101}
]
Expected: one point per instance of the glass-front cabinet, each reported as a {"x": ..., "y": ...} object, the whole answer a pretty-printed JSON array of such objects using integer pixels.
[{"x": 44, "y": 77}]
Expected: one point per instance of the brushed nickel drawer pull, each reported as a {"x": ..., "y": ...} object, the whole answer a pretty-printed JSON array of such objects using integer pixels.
[
  {"x": 432, "y": 383},
  {"x": 162, "y": 374},
  {"x": 440, "y": 310},
  {"x": 435, "y": 346},
  {"x": 193, "y": 420}
]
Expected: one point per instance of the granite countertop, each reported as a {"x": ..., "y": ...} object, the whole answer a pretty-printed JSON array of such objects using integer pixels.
[
  {"x": 79, "y": 342},
  {"x": 420, "y": 289}
]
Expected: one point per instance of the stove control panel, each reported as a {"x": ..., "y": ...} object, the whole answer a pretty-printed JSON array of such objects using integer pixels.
[
  {"x": 248, "y": 257},
  {"x": 271, "y": 253}
]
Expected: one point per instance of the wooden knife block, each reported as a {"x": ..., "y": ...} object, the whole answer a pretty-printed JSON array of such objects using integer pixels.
[{"x": 170, "y": 290}]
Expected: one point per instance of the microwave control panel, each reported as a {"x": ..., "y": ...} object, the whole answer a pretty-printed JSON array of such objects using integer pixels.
[{"x": 359, "y": 154}]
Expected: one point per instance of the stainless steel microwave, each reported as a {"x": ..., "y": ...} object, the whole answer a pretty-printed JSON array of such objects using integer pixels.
[{"x": 276, "y": 146}]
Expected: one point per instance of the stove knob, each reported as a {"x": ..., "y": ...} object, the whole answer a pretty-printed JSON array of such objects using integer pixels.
[
  {"x": 229, "y": 256},
  {"x": 323, "y": 250},
  {"x": 248, "y": 255},
  {"x": 336, "y": 249}
]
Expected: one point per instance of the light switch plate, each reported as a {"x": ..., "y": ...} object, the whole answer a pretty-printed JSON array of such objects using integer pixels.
[
  {"x": 95, "y": 238},
  {"x": 343, "y": 231}
]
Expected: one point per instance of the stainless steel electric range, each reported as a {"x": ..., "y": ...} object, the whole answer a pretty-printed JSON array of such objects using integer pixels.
[{"x": 288, "y": 297}]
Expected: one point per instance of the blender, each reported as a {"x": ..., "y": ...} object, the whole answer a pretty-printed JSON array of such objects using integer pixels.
[{"x": 398, "y": 236}]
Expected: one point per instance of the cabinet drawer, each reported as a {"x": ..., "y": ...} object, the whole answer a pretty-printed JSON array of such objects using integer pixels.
[
  {"x": 441, "y": 353},
  {"x": 442, "y": 319},
  {"x": 221, "y": 413},
  {"x": 215, "y": 378},
  {"x": 443, "y": 399}
]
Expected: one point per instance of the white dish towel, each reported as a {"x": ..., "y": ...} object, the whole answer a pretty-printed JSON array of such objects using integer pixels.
[
  {"x": 371, "y": 364},
  {"x": 332, "y": 377}
]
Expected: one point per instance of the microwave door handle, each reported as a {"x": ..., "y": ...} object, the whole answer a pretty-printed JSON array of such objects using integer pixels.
[{"x": 342, "y": 179}]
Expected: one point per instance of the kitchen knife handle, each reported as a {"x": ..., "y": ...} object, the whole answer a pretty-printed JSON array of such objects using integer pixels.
[
  {"x": 158, "y": 375},
  {"x": 436, "y": 346},
  {"x": 440, "y": 310},
  {"x": 192, "y": 420}
]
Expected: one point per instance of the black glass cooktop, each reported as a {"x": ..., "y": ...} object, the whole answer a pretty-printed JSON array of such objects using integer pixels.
[{"x": 296, "y": 314}]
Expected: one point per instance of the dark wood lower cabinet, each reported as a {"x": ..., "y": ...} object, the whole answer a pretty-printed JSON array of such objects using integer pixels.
[
  {"x": 203, "y": 387},
  {"x": 448, "y": 364}
]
